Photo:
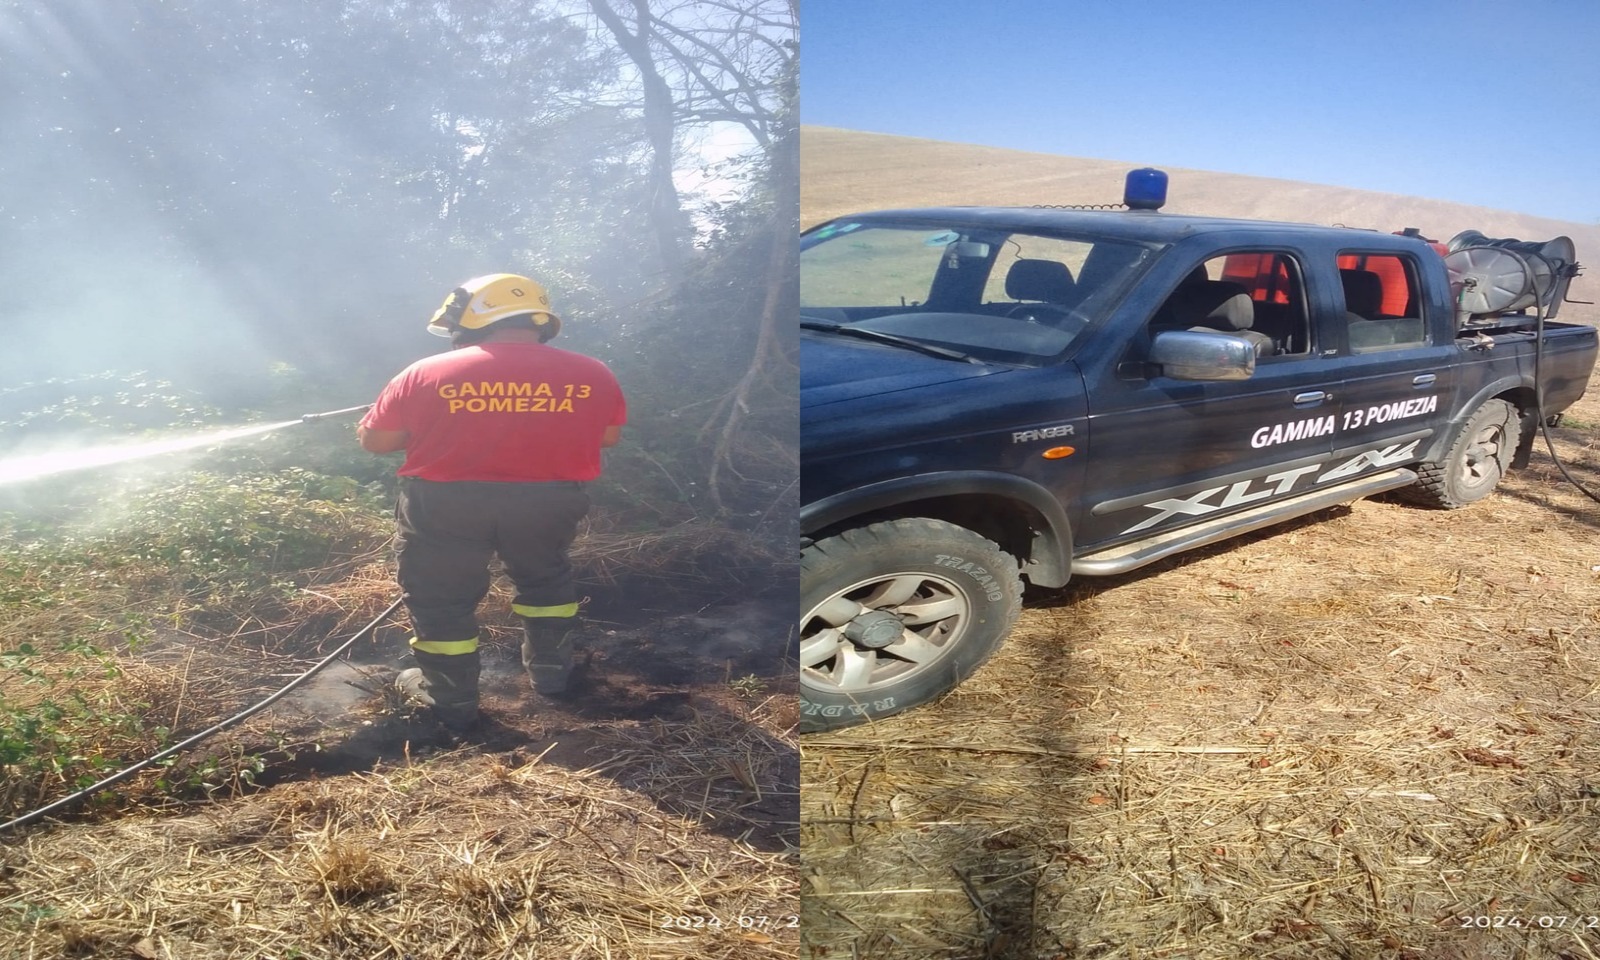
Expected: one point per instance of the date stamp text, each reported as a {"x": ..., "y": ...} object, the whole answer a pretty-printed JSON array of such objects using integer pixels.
[
  {"x": 754, "y": 922},
  {"x": 1533, "y": 922}
]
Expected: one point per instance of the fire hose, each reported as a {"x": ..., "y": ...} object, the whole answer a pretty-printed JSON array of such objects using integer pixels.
[
  {"x": 203, "y": 735},
  {"x": 308, "y": 418},
  {"x": 1538, "y": 387},
  {"x": 233, "y": 721}
]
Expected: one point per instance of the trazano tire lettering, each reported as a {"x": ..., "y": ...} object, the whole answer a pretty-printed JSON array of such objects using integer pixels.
[
  {"x": 991, "y": 587},
  {"x": 896, "y": 613}
]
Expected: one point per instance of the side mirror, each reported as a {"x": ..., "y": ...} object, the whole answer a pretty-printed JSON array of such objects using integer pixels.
[{"x": 1188, "y": 355}]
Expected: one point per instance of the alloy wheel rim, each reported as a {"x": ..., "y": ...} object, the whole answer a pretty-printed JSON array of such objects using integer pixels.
[
  {"x": 1481, "y": 465},
  {"x": 881, "y": 630}
]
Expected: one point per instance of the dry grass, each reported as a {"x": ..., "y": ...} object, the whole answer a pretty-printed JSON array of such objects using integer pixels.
[
  {"x": 462, "y": 856},
  {"x": 576, "y": 833},
  {"x": 1362, "y": 734},
  {"x": 693, "y": 551}
]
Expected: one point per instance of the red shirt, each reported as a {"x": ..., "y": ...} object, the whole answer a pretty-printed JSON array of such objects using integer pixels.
[{"x": 508, "y": 412}]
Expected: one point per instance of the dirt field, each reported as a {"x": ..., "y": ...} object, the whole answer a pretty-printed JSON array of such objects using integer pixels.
[{"x": 1370, "y": 733}]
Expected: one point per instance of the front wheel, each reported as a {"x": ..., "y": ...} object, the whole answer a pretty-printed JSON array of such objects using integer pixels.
[
  {"x": 895, "y": 614},
  {"x": 1477, "y": 458}
]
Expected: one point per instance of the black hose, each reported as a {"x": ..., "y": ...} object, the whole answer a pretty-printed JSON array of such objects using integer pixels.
[
  {"x": 1538, "y": 400},
  {"x": 234, "y": 720}
]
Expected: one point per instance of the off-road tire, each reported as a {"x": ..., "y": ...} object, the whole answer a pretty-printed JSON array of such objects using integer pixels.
[
  {"x": 955, "y": 595},
  {"x": 1474, "y": 462}
]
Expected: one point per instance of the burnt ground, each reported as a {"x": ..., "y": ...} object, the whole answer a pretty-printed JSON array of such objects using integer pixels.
[
  {"x": 652, "y": 812},
  {"x": 709, "y": 668}
]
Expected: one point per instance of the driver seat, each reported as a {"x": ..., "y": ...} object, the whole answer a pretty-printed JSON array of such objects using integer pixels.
[
  {"x": 1048, "y": 281},
  {"x": 1219, "y": 306}
]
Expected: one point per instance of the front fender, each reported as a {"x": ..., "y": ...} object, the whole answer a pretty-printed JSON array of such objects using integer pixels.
[{"x": 1049, "y": 563}]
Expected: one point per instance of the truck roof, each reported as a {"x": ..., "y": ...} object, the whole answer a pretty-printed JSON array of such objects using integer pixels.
[{"x": 1133, "y": 224}]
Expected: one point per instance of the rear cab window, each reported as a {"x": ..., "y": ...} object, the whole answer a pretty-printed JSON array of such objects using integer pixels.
[{"x": 1382, "y": 301}]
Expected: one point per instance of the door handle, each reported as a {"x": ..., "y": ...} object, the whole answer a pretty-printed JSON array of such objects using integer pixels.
[
  {"x": 1422, "y": 380},
  {"x": 1312, "y": 396}
]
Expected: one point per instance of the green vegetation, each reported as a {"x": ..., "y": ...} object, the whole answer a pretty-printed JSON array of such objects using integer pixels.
[
  {"x": 748, "y": 686},
  {"x": 102, "y": 571},
  {"x": 55, "y": 732},
  {"x": 99, "y": 404},
  {"x": 120, "y": 588}
]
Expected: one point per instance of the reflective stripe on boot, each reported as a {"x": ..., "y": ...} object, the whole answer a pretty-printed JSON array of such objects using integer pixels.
[
  {"x": 547, "y": 652},
  {"x": 446, "y": 683}
]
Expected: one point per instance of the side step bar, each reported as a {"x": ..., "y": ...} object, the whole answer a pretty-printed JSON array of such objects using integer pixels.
[{"x": 1131, "y": 556}]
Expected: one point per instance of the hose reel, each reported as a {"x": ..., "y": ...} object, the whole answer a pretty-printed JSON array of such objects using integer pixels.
[{"x": 1493, "y": 277}]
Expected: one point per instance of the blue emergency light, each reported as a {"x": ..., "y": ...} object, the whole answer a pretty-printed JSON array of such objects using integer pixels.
[{"x": 1145, "y": 189}]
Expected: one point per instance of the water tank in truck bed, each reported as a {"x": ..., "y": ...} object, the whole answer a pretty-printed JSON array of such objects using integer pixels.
[{"x": 1493, "y": 277}]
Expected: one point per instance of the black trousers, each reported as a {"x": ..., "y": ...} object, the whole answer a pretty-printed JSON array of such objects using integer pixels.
[{"x": 449, "y": 531}]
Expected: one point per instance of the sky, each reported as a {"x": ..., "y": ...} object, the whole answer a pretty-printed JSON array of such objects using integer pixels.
[{"x": 1494, "y": 103}]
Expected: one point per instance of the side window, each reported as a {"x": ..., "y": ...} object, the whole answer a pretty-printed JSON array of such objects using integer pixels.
[
  {"x": 1257, "y": 295},
  {"x": 1381, "y": 302}
]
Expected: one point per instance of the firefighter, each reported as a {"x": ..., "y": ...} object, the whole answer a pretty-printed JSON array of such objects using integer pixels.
[{"x": 500, "y": 436}]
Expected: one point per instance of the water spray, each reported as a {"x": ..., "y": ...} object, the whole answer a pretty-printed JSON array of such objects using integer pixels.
[
  {"x": 22, "y": 469},
  {"x": 28, "y": 468}
]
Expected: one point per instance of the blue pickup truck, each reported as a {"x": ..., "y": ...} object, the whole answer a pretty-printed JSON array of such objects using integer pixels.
[{"x": 998, "y": 395}]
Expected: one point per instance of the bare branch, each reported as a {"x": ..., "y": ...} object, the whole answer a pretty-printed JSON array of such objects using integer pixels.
[{"x": 754, "y": 119}]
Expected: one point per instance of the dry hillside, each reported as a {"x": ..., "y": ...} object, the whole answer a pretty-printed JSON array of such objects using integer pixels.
[{"x": 1373, "y": 732}]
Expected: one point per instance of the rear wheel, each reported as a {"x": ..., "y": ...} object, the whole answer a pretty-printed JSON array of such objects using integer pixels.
[
  {"x": 895, "y": 614},
  {"x": 1477, "y": 458}
]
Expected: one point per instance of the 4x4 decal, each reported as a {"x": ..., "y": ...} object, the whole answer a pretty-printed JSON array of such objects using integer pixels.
[{"x": 1271, "y": 485}]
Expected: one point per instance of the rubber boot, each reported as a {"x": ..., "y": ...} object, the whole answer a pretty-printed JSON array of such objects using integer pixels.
[
  {"x": 547, "y": 652},
  {"x": 447, "y": 684}
]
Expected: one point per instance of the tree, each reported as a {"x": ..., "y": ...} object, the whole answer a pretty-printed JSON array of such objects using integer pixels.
[
  {"x": 671, "y": 227},
  {"x": 704, "y": 63}
]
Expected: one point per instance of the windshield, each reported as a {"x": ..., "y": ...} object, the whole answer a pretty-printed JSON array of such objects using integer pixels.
[{"x": 991, "y": 294}]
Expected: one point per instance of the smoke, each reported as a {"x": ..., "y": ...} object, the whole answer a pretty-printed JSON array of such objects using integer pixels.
[{"x": 186, "y": 198}]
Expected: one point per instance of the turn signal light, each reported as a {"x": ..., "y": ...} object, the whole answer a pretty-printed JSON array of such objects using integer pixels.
[{"x": 1056, "y": 453}]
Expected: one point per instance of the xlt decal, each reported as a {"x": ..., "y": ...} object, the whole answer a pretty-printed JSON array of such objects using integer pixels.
[{"x": 1272, "y": 485}]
